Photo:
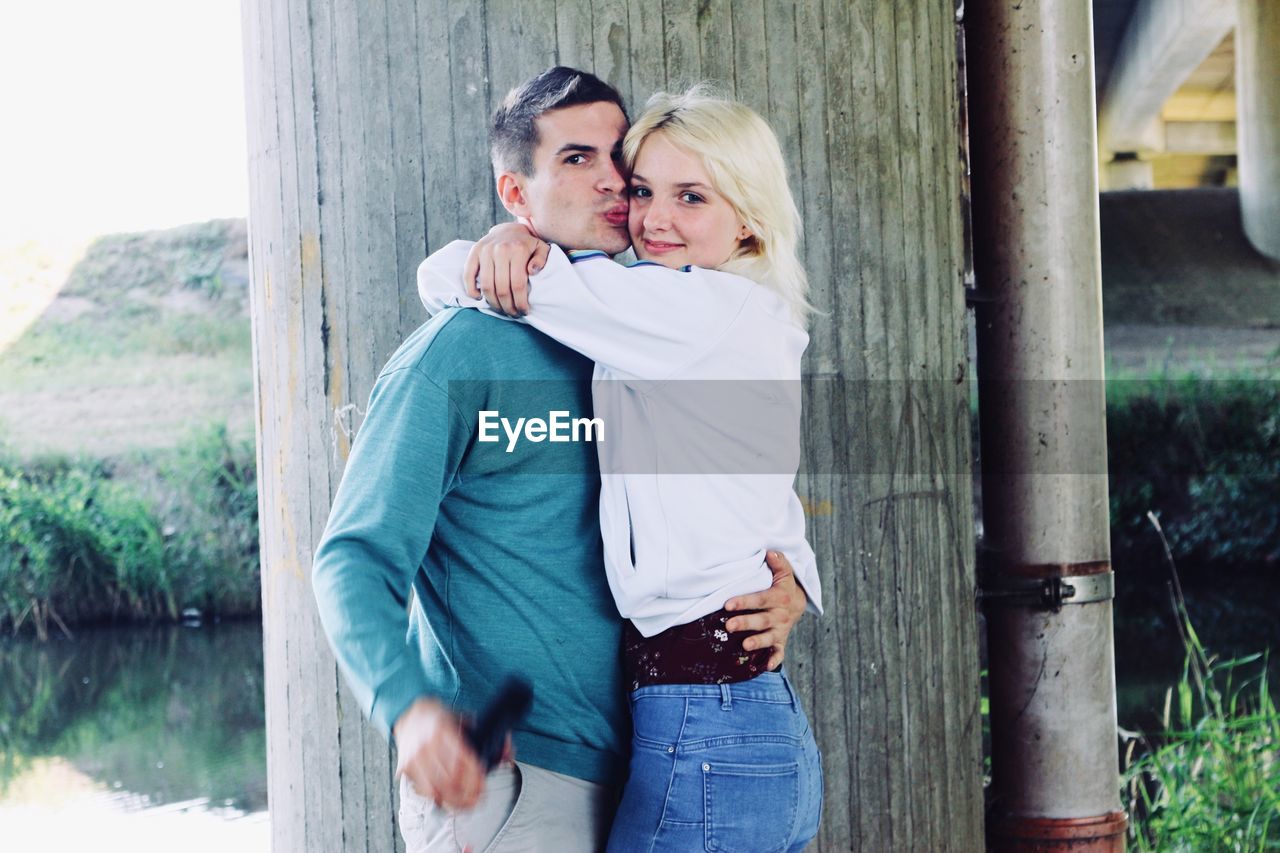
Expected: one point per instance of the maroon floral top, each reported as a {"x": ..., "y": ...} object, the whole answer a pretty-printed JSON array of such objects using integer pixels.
[{"x": 698, "y": 652}]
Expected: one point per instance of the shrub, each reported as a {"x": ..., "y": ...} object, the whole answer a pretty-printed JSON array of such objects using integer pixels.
[
  {"x": 1211, "y": 779},
  {"x": 213, "y": 520},
  {"x": 80, "y": 543},
  {"x": 1203, "y": 454},
  {"x": 77, "y": 545}
]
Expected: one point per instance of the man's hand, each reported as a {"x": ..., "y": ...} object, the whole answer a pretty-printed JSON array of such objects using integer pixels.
[
  {"x": 501, "y": 262},
  {"x": 781, "y": 606},
  {"x": 435, "y": 756}
]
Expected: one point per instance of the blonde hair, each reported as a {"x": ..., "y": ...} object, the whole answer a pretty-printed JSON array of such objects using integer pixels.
[{"x": 744, "y": 161}]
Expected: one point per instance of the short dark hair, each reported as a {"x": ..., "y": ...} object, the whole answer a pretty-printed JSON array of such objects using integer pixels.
[{"x": 513, "y": 136}]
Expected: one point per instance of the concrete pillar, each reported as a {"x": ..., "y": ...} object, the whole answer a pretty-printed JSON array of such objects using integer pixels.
[
  {"x": 1127, "y": 171},
  {"x": 1046, "y": 573},
  {"x": 367, "y": 149},
  {"x": 1258, "y": 121}
]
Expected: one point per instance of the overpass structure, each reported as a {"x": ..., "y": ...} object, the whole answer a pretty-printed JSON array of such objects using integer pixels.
[{"x": 1189, "y": 95}]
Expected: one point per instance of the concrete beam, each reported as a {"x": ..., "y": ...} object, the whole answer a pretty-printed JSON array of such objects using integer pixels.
[
  {"x": 1200, "y": 137},
  {"x": 1189, "y": 104},
  {"x": 1165, "y": 41}
]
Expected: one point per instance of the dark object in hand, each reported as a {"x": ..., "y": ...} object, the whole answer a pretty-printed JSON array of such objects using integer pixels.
[{"x": 488, "y": 735}]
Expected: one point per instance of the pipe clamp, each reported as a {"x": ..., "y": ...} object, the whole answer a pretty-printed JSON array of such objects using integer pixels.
[{"x": 1048, "y": 593}]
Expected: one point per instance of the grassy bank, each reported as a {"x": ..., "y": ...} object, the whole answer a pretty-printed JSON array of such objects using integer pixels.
[
  {"x": 1194, "y": 465},
  {"x": 1210, "y": 780},
  {"x": 128, "y": 343},
  {"x": 141, "y": 537},
  {"x": 1209, "y": 777},
  {"x": 111, "y": 507}
]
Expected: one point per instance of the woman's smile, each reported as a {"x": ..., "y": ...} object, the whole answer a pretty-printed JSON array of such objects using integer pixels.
[{"x": 656, "y": 247}]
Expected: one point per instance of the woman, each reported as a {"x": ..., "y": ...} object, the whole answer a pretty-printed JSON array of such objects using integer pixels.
[{"x": 696, "y": 472}]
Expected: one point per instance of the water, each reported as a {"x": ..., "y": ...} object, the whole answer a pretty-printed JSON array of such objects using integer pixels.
[
  {"x": 135, "y": 739},
  {"x": 152, "y": 739}
]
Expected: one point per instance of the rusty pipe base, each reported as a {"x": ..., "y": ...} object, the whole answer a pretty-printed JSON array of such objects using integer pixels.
[{"x": 1101, "y": 834}]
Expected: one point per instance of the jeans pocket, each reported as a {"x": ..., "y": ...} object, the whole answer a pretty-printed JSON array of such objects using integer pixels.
[
  {"x": 656, "y": 719},
  {"x": 749, "y": 808}
]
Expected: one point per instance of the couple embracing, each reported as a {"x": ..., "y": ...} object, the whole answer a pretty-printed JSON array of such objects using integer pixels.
[{"x": 649, "y": 609}]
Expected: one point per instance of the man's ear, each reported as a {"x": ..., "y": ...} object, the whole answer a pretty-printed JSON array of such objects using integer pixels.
[{"x": 512, "y": 195}]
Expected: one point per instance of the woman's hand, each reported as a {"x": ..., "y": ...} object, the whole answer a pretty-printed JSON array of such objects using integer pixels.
[
  {"x": 501, "y": 262},
  {"x": 780, "y": 606}
]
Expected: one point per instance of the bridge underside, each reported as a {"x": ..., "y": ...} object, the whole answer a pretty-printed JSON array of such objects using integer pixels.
[{"x": 1188, "y": 96}]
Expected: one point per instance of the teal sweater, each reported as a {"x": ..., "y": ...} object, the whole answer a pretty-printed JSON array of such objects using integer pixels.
[{"x": 502, "y": 550}]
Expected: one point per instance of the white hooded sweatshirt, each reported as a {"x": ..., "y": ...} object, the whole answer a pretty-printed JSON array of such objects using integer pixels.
[{"x": 697, "y": 382}]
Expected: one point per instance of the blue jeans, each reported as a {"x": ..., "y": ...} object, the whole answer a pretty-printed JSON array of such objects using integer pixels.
[{"x": 730, "y": 767}]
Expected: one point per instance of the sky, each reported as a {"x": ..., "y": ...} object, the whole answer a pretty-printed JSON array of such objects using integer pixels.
[{"x": 119, "y": 115}]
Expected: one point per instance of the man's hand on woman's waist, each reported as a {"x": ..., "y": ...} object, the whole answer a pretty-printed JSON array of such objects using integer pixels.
[{"x": 780, "y": 606}]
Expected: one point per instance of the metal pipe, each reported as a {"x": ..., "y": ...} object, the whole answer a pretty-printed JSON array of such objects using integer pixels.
[{"x": 1046, "y": 577}]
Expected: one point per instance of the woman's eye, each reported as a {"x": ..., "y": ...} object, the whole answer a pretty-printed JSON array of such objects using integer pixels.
[
  {"x": 640, "y": 192},
  {"x": 691, "y": 198}
]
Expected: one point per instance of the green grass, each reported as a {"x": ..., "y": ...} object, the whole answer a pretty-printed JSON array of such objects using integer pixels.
[
  {"x": 134, "y": 341},
  {"x": 132, "y": 381},
  {"x": 1210, "y": 779},
  {"x": 77, "y": 545},
  {"x": 149, "y": 337},
  {"x": 211, "y": 515},
  {"x": 91, "y": 540},
  {"x": 129, "y": 333}
]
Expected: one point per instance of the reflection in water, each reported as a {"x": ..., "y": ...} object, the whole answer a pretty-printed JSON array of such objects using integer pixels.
[
  {"x": 153, "y": 738},
  {"x": 162, "y": 724}
]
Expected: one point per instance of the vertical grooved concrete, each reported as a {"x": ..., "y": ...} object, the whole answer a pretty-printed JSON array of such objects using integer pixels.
[{"x": 367, "y": 126}]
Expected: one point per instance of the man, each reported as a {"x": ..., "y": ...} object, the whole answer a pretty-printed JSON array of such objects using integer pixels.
[{"x": 502, "y": 550}]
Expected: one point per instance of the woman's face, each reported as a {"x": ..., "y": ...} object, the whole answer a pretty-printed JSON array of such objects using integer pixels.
[{"x": 677, "y": 217}]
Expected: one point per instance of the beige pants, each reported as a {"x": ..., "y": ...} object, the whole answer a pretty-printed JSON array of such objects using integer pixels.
[{"x": 523, "y": 808}]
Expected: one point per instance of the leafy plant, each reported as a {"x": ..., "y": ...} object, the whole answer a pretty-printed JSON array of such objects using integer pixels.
[
  {"x": 80, "y": 544},
  {"x": 1204, "y": 455},
  {"x": 75, "y": 543},
  {"x": 213, "y": 521},
  {"x": 1211, "y": 779}
]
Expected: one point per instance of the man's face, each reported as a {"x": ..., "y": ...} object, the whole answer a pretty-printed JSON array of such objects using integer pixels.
[{"x": 576, "y": 196}]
